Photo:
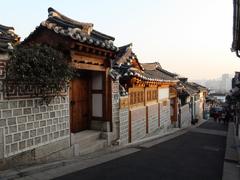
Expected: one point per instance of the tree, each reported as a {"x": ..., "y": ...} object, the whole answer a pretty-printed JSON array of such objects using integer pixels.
[{"x": 40, "y": 66}]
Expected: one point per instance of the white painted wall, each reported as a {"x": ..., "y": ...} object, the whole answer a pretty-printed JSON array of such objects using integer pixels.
[
  {"x": 97, "y": 81},
  {"x": 185, "y": 116},
  {"x": 163, "y": 93},
  {"x": 97, "y": 105}
]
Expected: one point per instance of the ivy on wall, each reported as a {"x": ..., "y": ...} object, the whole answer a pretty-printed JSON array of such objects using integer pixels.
[{"x": 40, "y": 66}]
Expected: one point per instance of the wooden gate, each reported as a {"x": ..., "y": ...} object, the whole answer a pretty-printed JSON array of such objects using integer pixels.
[{"x": 79, "y": 104}]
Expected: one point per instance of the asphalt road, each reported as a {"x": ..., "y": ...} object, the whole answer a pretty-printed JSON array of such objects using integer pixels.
[{"x": 192, "y": 156}]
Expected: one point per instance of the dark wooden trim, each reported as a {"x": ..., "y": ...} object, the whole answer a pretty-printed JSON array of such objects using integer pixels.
[
  {"x": 88, "y": 66},
  {"x": 93, "y": 91},
  {"x": 70, "y": 108},
  {"x": 90, "y": 100},
  {"x": 147, "y": 130},
  {"x": 104, "y": 99},
  {"x": 130, "y": 128},
  {"x": 97, "y": 53},
  {"x": 97, "y": 118},
  {"x": 159, "y": 106},
  {"x": 108, "y": 99}
]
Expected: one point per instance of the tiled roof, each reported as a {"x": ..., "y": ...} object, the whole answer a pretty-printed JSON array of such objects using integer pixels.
[
  {"x": 155, "y": 71},
  {"x": 125, "y": 55},
  {"x": 198, "y": 86},
  {"x": 151, "y": 66},
  {"x": 148, "y": 75},
  {"x": 7, "y": 38},
  {"x": 79, "y": 31},
  {"x": 173, "y": 75},
  {"x": 189, "y": 88},
  {"x": 127, "y": 62}
]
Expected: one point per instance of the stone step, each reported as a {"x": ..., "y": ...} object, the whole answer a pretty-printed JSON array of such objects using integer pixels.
[
  {"x": 90, "y": 148},
  {"x": 85, "y": 137}
]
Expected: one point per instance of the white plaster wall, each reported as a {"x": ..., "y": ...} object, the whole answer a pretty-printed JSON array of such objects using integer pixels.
[
  {"x": 152, "y": 117},
  {"x": 138, "y": 123},
  {"x": 185, "y": 116},
  {"x": 165, "y": 117},
  {"x": 163, "y": 93},
  {"x": 97, "y": 109}
]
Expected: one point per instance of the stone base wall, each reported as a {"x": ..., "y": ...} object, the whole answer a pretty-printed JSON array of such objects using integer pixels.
[
  {"x": 124, "y": 126},
  {"x": 28, "y": 125},
  {"x": 138, "y": 123},
  {"x": 53, "y": 151},
  {"x": 1, "y": 143},
  {"x": 185, "y": 116},
  {"x": 165, "y": 116},
  {"x": 152, "y": 113},
  {"x": 115, "y": 111}
]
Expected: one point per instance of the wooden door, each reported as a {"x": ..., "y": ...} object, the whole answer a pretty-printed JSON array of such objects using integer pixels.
[{"x": 79, "y": 104}]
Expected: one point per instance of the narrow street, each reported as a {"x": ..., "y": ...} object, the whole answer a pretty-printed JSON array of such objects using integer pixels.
[{"x": 196, "y": 155}]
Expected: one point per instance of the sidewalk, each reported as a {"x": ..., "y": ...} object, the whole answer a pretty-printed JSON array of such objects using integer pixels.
[
  {"x": 60, "y": 168},
  {"x": 231, "y": 169}
]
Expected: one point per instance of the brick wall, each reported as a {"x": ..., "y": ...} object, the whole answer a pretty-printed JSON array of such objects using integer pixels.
[
  {"x": 138, "y": 123},
  {"x": 29, "y": 125},
  {"x": 185, "y": 116},
  {"x": 165, "y": 117},
  {"x": 152, "y": 117}
]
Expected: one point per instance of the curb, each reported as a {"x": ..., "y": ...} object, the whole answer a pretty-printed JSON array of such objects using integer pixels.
[{"x": 237, "y": 141}]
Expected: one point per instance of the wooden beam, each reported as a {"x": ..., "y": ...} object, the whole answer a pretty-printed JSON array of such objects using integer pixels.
[
  {"x": 100, "y": 49},
  {"x": 88, "y": 66},
  {"x": 79, "y": 55}
]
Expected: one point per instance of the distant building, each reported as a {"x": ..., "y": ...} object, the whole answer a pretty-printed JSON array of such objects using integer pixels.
[
  {"x": 220, "y": 85},
  {"x": 226, "y": 83}
]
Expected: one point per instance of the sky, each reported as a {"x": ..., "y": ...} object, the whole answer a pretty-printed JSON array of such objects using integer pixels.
[{"x": 189, "y": 37}]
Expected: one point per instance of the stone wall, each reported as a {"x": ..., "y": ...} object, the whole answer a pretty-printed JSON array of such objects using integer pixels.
[
  {"x": 185, "y": 116},
  {"x": 26, "y": 124},
  {"x": 29, "y": 125},
  {"x": 1, "y": 143},
  {"x": 152, "y": 113},
  {"x": 165, "y": 117},
  {"x": 115, "y": 111},
  {"x": 138, "y": 123}
]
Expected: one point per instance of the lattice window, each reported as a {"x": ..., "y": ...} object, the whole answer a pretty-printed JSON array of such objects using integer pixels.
[
  {"x": 151, "y": 94},
  {"x": 136, "y": 97}
]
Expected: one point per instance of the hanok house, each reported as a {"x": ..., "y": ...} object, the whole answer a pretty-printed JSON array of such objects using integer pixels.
[
  {"x": 80, "y": 123},
  {"x": 168, "y": 92},
  {"x": 193, "y": 94},
  {"x": 202, "y": 93},
  {"x": 197, "y": 95},
  {"x": 145, "y": 96}
]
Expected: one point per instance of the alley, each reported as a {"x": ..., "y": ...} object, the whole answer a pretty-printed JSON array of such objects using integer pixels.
[{"x": 197, "y": 154}]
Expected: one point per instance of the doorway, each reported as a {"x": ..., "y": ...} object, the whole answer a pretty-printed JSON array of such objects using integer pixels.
[
  {"x": 87, "y": 101},
  {"x": 79, "y": 104}
]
